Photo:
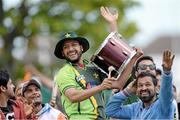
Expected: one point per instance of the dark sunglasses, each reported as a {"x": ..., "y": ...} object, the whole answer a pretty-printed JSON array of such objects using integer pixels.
[{"x": 144, "y": 67}]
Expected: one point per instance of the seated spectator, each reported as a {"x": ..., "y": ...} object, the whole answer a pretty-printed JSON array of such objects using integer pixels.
[{"x": 31, "y": 91}]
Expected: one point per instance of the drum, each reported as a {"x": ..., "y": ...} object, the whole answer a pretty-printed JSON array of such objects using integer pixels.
[{"x": 113, "y": 52}]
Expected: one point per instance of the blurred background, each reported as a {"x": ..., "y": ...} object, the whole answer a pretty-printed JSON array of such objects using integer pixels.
[{"x": 30, "y": 30}]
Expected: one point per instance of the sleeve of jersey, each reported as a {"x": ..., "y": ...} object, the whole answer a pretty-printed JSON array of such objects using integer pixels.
[
  {"x": 116, "y": 109},
  {"x": 65, "y": 79},
  {"x": 166, "y": 91}
]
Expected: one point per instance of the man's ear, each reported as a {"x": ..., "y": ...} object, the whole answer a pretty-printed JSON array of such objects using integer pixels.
[
  {"x": 136, "y": 74},
  {"x": 2, "y": 88},
  {"x": 81, "y": 47},
  {"x": 157, "y": 89}
]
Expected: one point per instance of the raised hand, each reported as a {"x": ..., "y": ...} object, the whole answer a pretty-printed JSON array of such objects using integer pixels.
[
  {"x": 53, "y": 102},
  {"x": 132, "y": 87},
  {"x": 110, "y": 17},
  {"x": 139, "y": 52},
  {"x": 167, "y": 60}
]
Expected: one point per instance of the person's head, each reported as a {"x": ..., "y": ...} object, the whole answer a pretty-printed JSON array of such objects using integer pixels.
[
  {"x": 146, "y": 87},
  {"x": 71, "y": 47},
  {"x": 158, "y": 72},
  {"x": 158, "y": 77},
  {"x": 6, "y": 85},
  {"x": 32, "y": 91},
  {"x": 145, "y": 64}
]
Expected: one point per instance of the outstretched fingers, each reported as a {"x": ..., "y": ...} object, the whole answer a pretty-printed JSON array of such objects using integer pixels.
[{"x": 168, "y": 58}]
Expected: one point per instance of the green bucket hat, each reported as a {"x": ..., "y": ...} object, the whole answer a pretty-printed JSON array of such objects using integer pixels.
[{"x": 69, "y": 36}]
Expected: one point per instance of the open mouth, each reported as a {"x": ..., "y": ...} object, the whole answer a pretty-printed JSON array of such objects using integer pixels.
[
  {"x": 144, "y": 93},
  {"x": 36, "y": 101},
  {"x": 72, "y": 54}
]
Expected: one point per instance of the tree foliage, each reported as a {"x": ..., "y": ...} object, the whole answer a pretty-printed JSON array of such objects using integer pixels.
[{"x": 32, "y": 18}]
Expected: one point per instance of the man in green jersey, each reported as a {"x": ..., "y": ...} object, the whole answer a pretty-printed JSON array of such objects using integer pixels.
[{"x": 81, "y": 86}]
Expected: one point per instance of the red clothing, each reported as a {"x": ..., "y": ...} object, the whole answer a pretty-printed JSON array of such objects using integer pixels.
[{"x": 18, "y": 109}]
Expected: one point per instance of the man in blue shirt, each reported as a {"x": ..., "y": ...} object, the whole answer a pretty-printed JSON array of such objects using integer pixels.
[{"x": 145, "y": 86}]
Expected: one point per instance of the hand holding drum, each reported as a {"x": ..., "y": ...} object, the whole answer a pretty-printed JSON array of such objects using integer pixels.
[{"x": 110, "y": 69}]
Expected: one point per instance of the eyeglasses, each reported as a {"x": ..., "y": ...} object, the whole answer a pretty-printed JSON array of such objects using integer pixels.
[{"x": 144, "y": 67}]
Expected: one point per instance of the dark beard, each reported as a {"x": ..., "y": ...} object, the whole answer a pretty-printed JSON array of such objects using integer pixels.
[
  {"x": 147, "y": 98},
  {"x": 73, "y": 61}
]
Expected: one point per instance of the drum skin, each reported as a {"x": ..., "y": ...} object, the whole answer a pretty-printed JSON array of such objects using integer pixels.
[{"x": 113, "y": 52}]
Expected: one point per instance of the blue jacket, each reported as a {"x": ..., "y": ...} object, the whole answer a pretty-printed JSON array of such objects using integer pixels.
[{"x": 162, "y": 108}]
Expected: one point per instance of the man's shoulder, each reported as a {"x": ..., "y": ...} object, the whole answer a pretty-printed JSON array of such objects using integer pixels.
[
  {"x": 65, "y": 73},
  {"x": 48, "y": 112},
  {"x": 47, "y": 107},
  {"x": 66, "y": 68}
]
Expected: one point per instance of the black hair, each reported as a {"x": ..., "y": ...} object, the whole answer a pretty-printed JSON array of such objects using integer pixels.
[
  {"x": 147, "y": 74},
  {"x": 158, "y": 71},
  {"x": 141, "y": 59},
  {"x": 4, "y": 78}
]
